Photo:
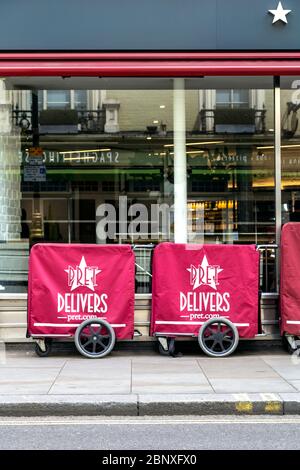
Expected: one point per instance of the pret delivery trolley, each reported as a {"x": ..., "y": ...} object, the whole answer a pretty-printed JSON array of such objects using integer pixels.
[
  {"x": 81, "y": 291},
  {"x": 290, "y": 286},
  {"x": 205, "y": 291}
]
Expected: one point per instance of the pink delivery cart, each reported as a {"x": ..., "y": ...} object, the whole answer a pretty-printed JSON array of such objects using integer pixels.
[
  {"x": 85, "y": 292},
  {"x": 290, "y": 286},
  {"x": 205, "y": 291}
]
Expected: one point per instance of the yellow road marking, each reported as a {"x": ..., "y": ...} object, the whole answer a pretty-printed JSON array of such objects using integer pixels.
[
  {"x": 273, "y": 407},
  {"x": 244, "y": 407}
]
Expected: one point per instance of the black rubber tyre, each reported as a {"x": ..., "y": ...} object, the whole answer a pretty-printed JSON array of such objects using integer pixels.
[
  {"x": 95, "y": 338},
  {"x": 286, "y": 345},
  {"x": 171, "y": 347},
  {"x": 218, "y": 337},
  {"x": 162, "y": 351},
  {"x": 40, "y": 352}
]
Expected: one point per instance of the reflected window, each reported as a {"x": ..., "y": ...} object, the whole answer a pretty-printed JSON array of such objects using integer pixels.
[
  {"x": 62, "y": 99},
  {"x": 58, "y": 99},
  {"x": 232, "y": 98}
]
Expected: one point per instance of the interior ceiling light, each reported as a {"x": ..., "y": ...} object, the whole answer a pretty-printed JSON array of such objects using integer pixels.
[
  {"x": 199, "y": 143},
  {"x": 270, "y": 147},
  {"x": 191, "y": 152}
]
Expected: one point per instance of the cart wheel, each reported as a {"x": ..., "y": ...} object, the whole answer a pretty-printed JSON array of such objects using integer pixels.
[
  {"x": 287, "y": 345},
  {"x": 48, "y": 348},
  {"x": 218, "y": 337},
  {"x": 170, "y": 351},
  {"x": 162, "y": 351},
  {"x": 95, "y": 338}
]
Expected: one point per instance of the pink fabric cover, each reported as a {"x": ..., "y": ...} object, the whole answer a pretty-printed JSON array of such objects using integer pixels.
[
  {"x": 192, "y": 283},
  {"x": 290, "y": 279},
  {"x": 69, "y": 283}
]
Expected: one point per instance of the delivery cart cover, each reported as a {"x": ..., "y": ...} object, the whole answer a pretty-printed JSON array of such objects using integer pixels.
[
  {"x": 193, "y": 283},
  {"x": 70, "y": 283},
  {"x": 290, "y": 279}
]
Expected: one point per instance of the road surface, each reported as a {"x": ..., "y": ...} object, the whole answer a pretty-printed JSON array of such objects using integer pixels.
[{"x": 151, "y": 433}]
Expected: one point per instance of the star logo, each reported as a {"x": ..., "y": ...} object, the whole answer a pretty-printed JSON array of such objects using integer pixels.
[
  {"x": 280, "y": 14},
  {"x": 204, "y": 274},
  {"x": 82, "y": 275}
]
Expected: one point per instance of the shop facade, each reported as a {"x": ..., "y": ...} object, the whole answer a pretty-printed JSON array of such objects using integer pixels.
[{"x": 147, "y": 122}]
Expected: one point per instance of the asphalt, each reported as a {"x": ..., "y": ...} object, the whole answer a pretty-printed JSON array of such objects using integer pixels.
[
  {"x": 143, "y": 383},
  {"x": 152, "y": 433}
]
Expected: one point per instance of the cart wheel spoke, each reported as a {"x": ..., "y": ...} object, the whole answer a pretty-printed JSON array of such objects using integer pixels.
[
  {"x": 101, "y": 343},
  {"x": 209, "y": 338},
  {"x": 228, "y": 340},
  {"x": 91, "y": 330},
  {"x": 211, "y": 330},
  {"x": 226, "y": 331},
  {"x": 88, "y": 342},
  {"x": 97, "y": 329}
]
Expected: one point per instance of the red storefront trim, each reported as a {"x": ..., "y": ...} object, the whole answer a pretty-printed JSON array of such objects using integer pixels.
[
  {"x": 179, "y": 64},
  {"x": 147, "y": 55}
]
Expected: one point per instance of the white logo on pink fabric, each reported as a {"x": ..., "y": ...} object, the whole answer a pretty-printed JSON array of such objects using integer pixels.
[
  {"x": 205, "y": 274},
  {"x": 82, "y": 275}
]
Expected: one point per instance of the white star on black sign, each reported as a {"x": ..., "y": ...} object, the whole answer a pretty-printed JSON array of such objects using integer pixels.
[{"x": 280, "y": 14}]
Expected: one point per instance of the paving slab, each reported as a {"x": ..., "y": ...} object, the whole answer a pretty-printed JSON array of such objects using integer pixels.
[
  {"x": 169, "y": 377},
  {"x": 32, "y": 362},
  {"x": 17, "y": 380},
  {"x": 229, "y": 385},
  {"x": 295, "y": 384},
  {"x": 104, "y": 376},
  {"x": 107, "y": 362},
  {"x": 246, "y": 367},
  {"x": 286, "y": 366}
]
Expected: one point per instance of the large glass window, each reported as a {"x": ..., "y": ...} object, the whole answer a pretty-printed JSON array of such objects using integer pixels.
[{"x": 95, "y": 160}]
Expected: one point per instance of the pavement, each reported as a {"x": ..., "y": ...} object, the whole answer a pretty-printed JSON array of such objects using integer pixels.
[{"x": 143, "y": 383}]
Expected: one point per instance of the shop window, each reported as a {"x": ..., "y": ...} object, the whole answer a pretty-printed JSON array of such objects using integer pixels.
[{"x": 117, "y": 184}]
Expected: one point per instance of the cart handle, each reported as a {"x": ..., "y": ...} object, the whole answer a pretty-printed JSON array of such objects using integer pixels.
[{"x": 266, "y": 247}]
